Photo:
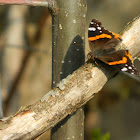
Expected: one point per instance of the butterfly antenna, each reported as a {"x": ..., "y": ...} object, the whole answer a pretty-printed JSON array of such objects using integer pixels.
[
  {"x": 82, "y": 48},
  {"x": 77, "y": 44}
]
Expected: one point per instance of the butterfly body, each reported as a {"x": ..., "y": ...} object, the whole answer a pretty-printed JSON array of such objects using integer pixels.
[{"x": 103, "y": 47}]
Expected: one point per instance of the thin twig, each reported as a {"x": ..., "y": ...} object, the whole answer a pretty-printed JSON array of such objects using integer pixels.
[
  {"x": 47, "y": 3},
  {"x": 51, "y": 4}
]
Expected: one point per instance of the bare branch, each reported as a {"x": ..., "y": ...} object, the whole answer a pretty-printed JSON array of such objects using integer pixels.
[
  {"x": 70, "y": 94},
  {"x": 47, "y": 3}
]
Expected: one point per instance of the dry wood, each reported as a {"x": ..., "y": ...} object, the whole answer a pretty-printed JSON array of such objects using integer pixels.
[
  {"x": 70, "y": 94},
  {"x": 47, "y": 3},
  {"x": 51, "y": 4}
]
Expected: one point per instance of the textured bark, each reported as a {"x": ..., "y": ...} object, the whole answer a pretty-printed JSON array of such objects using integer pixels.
[
  {"x": 33, "y": 120},
  {"x": 68, "y": 26},
  {"x": 131, "y": 39}
]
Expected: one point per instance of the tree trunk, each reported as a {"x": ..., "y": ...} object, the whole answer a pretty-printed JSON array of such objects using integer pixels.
[{"x": 68, "y": 26}]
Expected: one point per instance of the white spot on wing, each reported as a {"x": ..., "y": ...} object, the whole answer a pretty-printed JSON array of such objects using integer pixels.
[
  {"x": 91, "y": 22},
  {"x": 92, "y": 29},
  {"x": 99, "y": 28},
  {"x": 132, "y": 72},
  {"x": 129, "y": 67},
  {"x": 124, "y": 69}
]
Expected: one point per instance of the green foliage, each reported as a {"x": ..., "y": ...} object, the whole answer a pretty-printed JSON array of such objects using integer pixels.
[{"x": 96, "y": 135}]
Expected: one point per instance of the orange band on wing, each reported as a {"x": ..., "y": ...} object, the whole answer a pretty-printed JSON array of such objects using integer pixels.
[
  {"x": 123, "y": 61},
  {"x": 99, "y": 36},
  {"x": 117, "y": 36}
]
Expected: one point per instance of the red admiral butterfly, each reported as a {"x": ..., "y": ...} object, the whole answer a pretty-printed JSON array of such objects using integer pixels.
[{"x": 102, "y": 44}]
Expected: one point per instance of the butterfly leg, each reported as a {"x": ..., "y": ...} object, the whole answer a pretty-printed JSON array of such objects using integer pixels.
[{"x": 90, "y": 56}]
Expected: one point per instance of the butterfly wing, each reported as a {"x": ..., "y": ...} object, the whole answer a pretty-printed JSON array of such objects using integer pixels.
[
  {"x": 122, "y": 59},
  {"x": 98, "y": 36},
  {"x": 102, "y": 44}
]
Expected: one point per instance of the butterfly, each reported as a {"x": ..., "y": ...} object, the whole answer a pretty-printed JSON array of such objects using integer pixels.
[{"x": 103, "y": 47}]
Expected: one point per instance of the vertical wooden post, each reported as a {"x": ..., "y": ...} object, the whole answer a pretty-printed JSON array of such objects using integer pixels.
[{"x": 68, "y": 26}]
